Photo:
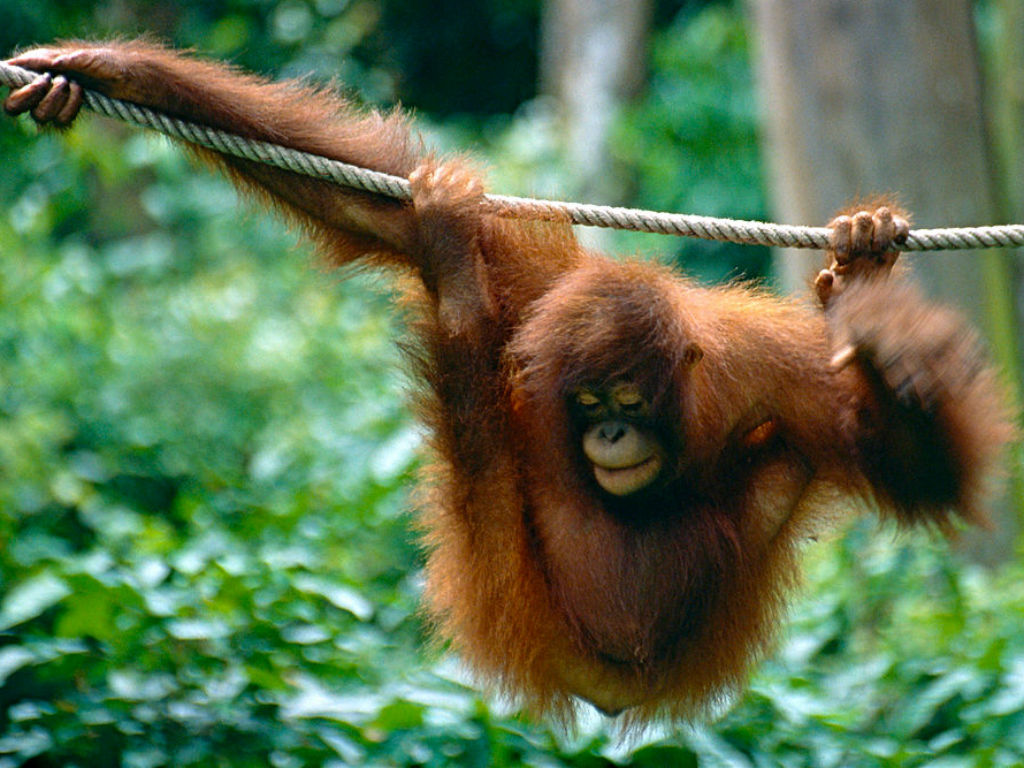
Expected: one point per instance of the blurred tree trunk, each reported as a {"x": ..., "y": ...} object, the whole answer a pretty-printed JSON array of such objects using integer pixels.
[
  {"x": 1008, "y": 102},
  {"x": 869, "y": 96},
  {"x": 593, "y": 58}
]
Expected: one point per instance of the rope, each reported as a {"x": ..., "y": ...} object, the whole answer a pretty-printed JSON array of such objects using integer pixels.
[{"x": 704, "y": 227}]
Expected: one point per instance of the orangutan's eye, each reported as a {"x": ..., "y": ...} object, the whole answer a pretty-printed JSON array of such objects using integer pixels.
[
  {"x": 629, "y": 399},
  {"x": 589, "y": 402}
]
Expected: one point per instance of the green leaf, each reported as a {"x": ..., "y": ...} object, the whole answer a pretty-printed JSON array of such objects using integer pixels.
[
  {"x": 338, "y": 595},
  {"x": 30, "y": 598},
  {"x": 13, "y": 658},
  {"x": 399, "y": 716}
]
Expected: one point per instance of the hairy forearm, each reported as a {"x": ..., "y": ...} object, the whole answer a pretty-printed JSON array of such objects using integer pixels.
[
  {"x": 287, "y": 113},
  {"x": 931, "y": 422},
  {"x": 216, "y": 94}
]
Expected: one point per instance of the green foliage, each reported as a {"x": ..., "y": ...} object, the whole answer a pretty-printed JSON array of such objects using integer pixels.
[
  {"x": 691, "y": 141},
  {"x": 903, "y": 657},
  {"x": 174, "y": 449},
  {"x": 688, "y": 145},
  {"x": 205, "y": 550}
]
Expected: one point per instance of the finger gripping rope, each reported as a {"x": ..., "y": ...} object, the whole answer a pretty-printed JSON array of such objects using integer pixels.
[{"x": 704, "y": 227}]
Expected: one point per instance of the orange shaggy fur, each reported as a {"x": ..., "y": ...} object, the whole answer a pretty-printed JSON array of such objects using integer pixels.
[{"x": 548, "y": 587}]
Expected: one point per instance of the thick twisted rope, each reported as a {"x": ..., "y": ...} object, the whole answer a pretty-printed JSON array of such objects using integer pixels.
[{"x": 704, "y": 227}]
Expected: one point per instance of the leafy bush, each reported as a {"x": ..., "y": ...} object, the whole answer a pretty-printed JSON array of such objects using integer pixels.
[{"x": 692, "y": 140}]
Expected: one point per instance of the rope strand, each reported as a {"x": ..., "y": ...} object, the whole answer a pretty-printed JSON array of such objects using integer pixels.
[{"x": 686, "y": 225}]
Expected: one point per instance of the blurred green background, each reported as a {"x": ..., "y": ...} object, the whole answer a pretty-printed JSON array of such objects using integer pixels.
[{"x": 205, "y": 550}]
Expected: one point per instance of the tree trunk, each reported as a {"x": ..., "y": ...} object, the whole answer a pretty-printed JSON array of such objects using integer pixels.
[
  {"x": 593, "y": 58},
  {"x": 870, "y": 96},
  {"x": 1009, "y": 103}
]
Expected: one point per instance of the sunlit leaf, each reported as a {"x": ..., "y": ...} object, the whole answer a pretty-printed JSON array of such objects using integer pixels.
[
  {"x": 338, "y": 595},
  {"x": 30, "y": 598},
  {"x": 13, "y": 658}
]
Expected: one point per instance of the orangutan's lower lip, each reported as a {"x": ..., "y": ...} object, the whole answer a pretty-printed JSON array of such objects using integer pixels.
[{"x": 622, "y": 481}]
